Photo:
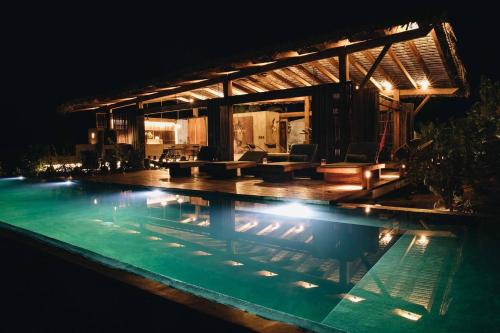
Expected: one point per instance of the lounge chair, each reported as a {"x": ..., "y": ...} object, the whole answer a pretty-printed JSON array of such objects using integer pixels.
[
  {"x": 360, "y": 158},
  {"x": 180, "y": 169},
  {"x": 302, "y": 158},
  {"x": 228, "y": 169}
]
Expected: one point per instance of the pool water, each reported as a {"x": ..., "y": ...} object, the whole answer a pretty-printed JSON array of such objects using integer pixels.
[{"x": 316, "y": 266}]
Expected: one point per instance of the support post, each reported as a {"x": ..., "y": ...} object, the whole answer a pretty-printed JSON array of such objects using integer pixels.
[
  {"x": 307, "y": 119},
  {"x": 344, "y": 67},
  {"x": 220, "y": 124},
  {"x": 139, "y": 135}
]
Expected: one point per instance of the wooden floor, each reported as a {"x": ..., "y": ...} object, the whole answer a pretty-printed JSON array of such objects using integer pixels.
[{"x": 315, "y": 191}]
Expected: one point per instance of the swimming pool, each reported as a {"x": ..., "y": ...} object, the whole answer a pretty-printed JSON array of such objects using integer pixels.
[{"x": 318, "y": 267}]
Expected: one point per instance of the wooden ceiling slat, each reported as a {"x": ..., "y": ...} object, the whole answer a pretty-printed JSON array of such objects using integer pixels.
[
  {"x": 376, "y": 66},
  {"x": 274, "y": 83},
  {"x": 253, "y": 86},
  {"x": 237, "y": 85},
  {"x": 403, "y": 69},
  {"x": 297, "y": 77},
  {"x": 419, "y": 58},
  {"x": 283, "y": 79},
  {"x": 324, "y": 71},
  {"x": 308, "y": 74},
  {"x": 363, "y": 71},
  {"x": 263, "y": 83}
]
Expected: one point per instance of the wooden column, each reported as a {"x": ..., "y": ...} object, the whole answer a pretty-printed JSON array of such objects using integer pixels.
[
  {"x": 307, "y": 118},
  {"x": 220, "y": 124},
  {"x": 322, "y": 121},
  {"x": 110, "y": 119},
  {"x": 364, "y": 115},
  {"x": 344, "y": 75},
  {"x": 139, "y": 135}
]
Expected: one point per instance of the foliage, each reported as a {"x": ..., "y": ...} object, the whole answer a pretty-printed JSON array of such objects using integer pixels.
[
  {"x": 461, "y": 162},
  {"x": 135, "y": 159}
]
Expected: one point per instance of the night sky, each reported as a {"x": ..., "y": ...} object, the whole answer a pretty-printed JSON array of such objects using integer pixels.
[{"x": 53, "y": 54}]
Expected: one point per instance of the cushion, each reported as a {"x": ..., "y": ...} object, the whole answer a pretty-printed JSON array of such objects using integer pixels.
[
  {"x": 357, "y": 158},
  {"x": 207, "y": 153},
  {"x": 305, "y": 149},
  {"x": 298, "y": 158},
  {"x": 253, "y": 156}
]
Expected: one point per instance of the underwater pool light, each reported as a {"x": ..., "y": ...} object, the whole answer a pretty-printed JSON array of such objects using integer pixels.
[{"x": 292, "y": 210}]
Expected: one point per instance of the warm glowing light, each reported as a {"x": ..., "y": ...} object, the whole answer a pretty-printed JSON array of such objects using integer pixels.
[
  {"x": 385, "y": 239},
  {"x": 423, "y": 240},
  {"x": 191, "y": 100},
  {"x": 92, "y": 135},
  {"x": 368, "y": 174},
  {"x": 389, "y": 176},
  {"x": 424, "y": 84},
  {"x": 357, "y": 87},
  {"x": 403, "y": 166},
  {"x": 347, "y": 187},
  {"x": 180, "y": 201},
  {"x": 174, "y": 245},
  {"x": 266, "y": 273},
  {"x": 367, "y": 209},
  {"x": 204, "y": 223},
  {"x": 233, "y": 263},
  {"x": 270, "y": 228},
  {"x": 352, "y": 298},
  {"x": 304, "y": 284},
  {"x": 151, "y": 125},
  {"x": 293, "y": 230},
  {"x": 386, "y": 85},
  {"x": 247, "y": 226},
  {"x": 201, "y": 253},
  {"x": 407, "y": 314}
]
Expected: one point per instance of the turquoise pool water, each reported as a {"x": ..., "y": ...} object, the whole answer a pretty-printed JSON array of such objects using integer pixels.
[{"x": 318, "y": 267}]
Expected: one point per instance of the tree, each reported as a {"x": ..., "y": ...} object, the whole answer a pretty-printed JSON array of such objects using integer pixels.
[{"x": 460, "y": 163}]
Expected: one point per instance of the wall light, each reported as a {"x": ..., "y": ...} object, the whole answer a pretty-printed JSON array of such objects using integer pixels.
[
  {"x": 424, "y": 84},
  {"x": 386, "y": 85}
]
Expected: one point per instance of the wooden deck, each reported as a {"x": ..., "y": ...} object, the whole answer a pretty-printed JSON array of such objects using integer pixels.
[{"x": 314, "y": 191}]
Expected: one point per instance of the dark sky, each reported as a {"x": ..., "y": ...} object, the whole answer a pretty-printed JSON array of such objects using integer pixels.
[{"x": 54, "y": 54}]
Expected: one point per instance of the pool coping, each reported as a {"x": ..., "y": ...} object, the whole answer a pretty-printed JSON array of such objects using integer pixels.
[{"x": 124, "y": 273}]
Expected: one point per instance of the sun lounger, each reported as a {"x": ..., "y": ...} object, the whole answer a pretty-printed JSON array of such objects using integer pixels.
[
  {"x": 228, "y": 169},
  {"x": 301, "y": 158},
  {"x": 359, "y": 159},
  {"x": 183, "y": 168}
]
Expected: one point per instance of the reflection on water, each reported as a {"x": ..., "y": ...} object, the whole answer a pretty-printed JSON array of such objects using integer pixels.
[{"x": 315, "y": 266}]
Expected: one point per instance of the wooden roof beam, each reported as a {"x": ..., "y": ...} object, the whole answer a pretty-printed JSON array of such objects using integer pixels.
[
  {"x": 402, "y": 68},
  {"x": 309, "y": 75},
  {"x": 297, "y": 77},
  {"x": 283, "y": 79},
  {"x": 264, "y": 83},
  {"x": 375, "y": 64},
  {"x": 267, "y": 81},
  {"x": 323, "y": 70},
  {"x": 254, "y": 86},
  {"x": 214, "y": 92},
  {"x": 421, "y": 105},
  {"x": 245, "y": 89},
  {"x": 364, "y": 72},
  {"x": 419, "y": 58},
  {"x": 429, "y": 91}
]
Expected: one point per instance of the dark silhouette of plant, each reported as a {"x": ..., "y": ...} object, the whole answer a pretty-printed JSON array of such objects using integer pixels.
[{"x": 460, "y": 162}]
